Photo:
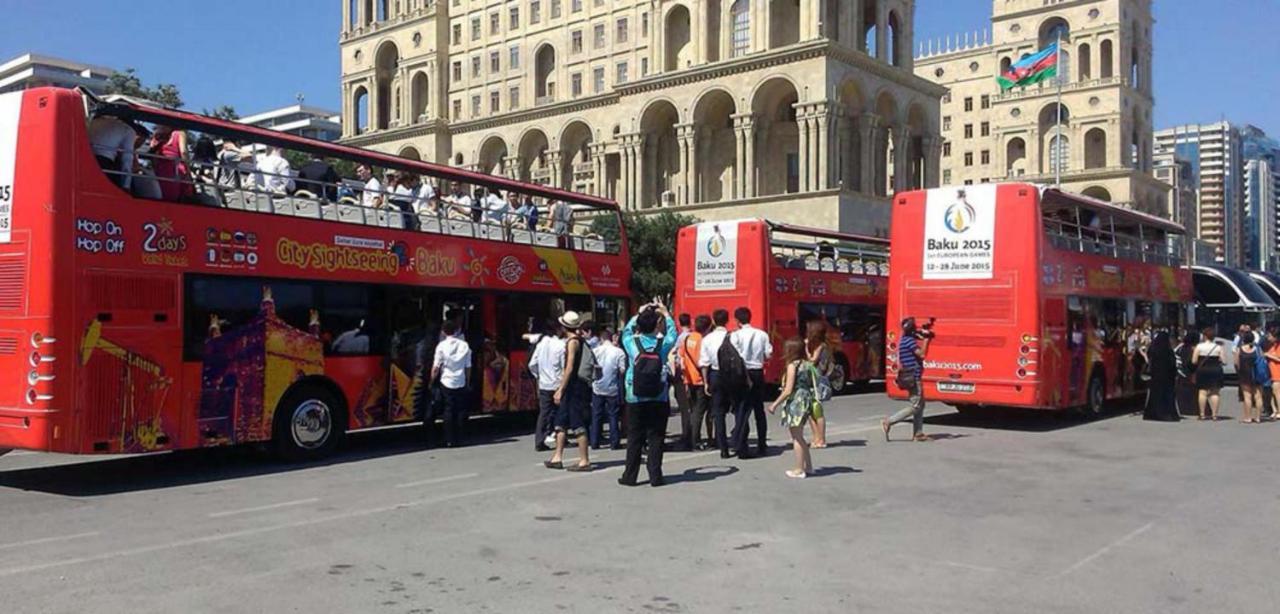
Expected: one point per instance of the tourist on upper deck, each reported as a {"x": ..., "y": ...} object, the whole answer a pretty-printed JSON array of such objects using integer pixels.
[
  {"x": 371, "y": 197},
  {"x": 233, "y": 164},
  {"x": 527, "y": 213},
  {"x": 426, "y": 195},
  {"x": 275, "y": 175},
  {"x": 113, "y": 143},
  {"x": 402, "y": 197},
  {"x": 497, "y": 208},
  {"x": 480, "y": 197},
  {"x": 459, "y": 203},
  {"x": 318, "y": 177},
  {"x": 168, "y": 149}
]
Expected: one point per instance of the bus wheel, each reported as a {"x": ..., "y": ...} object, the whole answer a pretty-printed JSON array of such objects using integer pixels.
[
  {"x": 1097, "y": 397},
  {"x": 837, "y": 379},
  {"x": 309, "y": 424}
]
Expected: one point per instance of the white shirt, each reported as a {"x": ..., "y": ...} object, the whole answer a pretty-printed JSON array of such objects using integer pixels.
[
  {"x": 1209, "y": 348},
  {"x": 453, "y": 358},
  {"x": 274, "y": 173},
  {"x": 113, "y": 139},
  {"x": 753, "y": 344},
  {"x": 372, "y": 193},
  {"x": 612, "y": 362},
  {"x": 547, "y": 362},
  {"x": 710, "y": 355},
  {"x": 497, "y": 208},
  {"x": 424, "y": 196}
]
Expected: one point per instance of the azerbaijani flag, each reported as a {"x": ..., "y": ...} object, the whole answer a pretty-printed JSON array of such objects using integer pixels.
[{"x": 1040, "y": 66}]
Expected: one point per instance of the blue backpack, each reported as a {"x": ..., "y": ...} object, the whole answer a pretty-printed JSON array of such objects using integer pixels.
[{"x": 1261, "y": 369}]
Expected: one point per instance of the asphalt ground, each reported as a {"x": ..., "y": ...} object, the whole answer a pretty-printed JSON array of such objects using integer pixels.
[{"x": 1002, "y": 512}]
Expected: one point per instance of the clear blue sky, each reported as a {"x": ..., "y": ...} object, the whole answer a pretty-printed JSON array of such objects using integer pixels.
[{"x": 1219, "y": 60}]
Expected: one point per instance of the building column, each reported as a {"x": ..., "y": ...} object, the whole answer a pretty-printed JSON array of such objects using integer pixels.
[
  {"x": 882, "y": 32},
  {"x": 685, "y": 137},
  {"x": 745, "y": 172},
  {"x": 360, "y": 16},
  {"x": 806, "y": 152},
  {"x": 346, "y": 15},
  {"x": 807, "y": 19},
  {"x": 553, "y": 164},
  {"x": 739, "y": 158},
  {"x": 869, "y": 160},
  {"x": 823, "y": 120},
  {"x": 932, "y": 161},
  {"x": 624, "y": 190},
  {"x": 902, "y": 159}
]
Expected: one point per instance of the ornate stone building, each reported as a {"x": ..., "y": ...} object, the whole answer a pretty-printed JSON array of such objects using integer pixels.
[
  {"x": 1103, "y": 143},
  {"x": 798, "y": 110}
]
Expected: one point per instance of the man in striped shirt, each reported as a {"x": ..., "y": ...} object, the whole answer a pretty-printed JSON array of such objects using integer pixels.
[{"x": 910, "y": 369}]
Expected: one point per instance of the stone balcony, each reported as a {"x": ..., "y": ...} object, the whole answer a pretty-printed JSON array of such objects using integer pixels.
[{"x": 846, "y": 211}]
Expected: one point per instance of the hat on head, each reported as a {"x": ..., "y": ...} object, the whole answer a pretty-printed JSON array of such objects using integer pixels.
[{"x": 571, "y": 320}]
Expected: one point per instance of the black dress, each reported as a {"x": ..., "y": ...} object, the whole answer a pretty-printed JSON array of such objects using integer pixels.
[{"x": 1161, "y": 401}]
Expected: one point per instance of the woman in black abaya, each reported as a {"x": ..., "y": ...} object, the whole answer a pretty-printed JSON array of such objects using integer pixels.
[{"x": 1161, "y": 401}]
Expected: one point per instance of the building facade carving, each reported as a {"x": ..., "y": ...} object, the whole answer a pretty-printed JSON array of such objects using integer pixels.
[
  {"x": 804, "y": 110},
  {"x": 1098, "y": 138}
]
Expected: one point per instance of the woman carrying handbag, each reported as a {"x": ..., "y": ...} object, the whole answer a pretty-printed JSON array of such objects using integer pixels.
[{"x": 798, "y": 401}]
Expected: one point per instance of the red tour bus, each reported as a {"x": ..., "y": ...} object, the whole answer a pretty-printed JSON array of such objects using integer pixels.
[
  {"x": 237, "y": 314},
  {"x": 788, "y": 275},
  {"x": 1039, "y": 296}
]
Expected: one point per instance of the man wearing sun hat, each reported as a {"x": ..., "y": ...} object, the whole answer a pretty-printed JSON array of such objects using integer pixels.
[{"x": 573, "y": 398}]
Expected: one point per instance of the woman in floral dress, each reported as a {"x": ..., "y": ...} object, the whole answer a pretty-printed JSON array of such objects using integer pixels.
[{"x": 796, "y": 402}]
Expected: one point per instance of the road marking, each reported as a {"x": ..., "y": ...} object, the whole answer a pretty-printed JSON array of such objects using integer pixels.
[
  {"x": 262, "y": 508},
  {"x": 1108, "y": 548},
  {"x": 220, "y": 537},
  {"x": 49, "y": 540},
  {"x": 438, "y": 480}
]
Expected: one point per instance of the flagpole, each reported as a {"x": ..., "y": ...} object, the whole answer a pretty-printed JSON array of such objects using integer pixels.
[{"x": 1057, "y": 61}]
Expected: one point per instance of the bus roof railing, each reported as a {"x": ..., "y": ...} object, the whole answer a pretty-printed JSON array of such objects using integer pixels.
[
  {"x": 823, "y": 233},
  {"x": 1051, "y": 194},
  {"x": 124, "y": 109}
]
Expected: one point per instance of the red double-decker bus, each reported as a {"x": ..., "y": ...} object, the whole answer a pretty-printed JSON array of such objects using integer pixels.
[
  {"x": 237, "y": 313},
  {"x": 1040, "y": 297},
  {"x": 788, "y": 275}
]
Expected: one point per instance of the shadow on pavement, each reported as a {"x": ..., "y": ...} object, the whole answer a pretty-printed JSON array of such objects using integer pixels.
[
  {"x": 1029, "y": 420},
  {"x": 700, "y": 474},
  {"x": 822, "y": 472},
  {"x": 846, "y": 443},
  {"x": 96, "y": 476}
]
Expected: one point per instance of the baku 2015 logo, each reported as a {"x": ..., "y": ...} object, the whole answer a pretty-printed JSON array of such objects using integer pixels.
[
  {"x": 715, "y": 245},
  {"x": 959, "y": 217}
]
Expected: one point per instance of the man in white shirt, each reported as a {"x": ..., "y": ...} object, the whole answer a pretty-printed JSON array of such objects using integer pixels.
[
  {"x": 274, "y": 173},
  {"x": 709, "y": 361},
  {"x": 113, "y": 145},
  {"x": 422, "y": 202},
  {"x": 606, "y": 399},
  {"x": 547, "y": 365},
  {"x": 496, "y": 208},
  {"x": 371, "y": 197},
  {"x": 452, "y": 368},
  {"x": 755, "y": 348}
]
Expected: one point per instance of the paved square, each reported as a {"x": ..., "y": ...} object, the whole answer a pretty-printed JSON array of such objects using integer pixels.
[{"x": 1011, "y": 513}]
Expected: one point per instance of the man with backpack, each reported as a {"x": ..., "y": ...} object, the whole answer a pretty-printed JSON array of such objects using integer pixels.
[
  {"x": 753, "y": 348},
  {"x": 721, "y": 395},
  {"x": 573, "y": 397},
  {"x": 648, "y": 340}
]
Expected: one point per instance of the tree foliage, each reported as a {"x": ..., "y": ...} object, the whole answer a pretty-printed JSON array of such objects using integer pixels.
[
  {"x": 652, "y": 239},
  {"x": 226, "y": 112},
  {"x": 127, "y": 83}
]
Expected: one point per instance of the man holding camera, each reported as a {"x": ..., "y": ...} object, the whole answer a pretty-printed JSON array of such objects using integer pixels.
[{"x": 911, "y": 351}]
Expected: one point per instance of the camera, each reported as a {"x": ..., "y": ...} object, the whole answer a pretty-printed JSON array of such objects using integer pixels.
[{"x": 925, "y": 331}]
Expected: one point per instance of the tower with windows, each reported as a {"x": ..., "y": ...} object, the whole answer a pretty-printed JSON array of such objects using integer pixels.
[{"x": 1092, "y": 125}]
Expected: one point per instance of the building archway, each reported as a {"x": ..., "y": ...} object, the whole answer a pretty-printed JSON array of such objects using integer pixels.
[
  {"x": 678, "y": 36},
  {"x": 533, "y": 156},
  {"x": 777, "y": 146},
  {"x": 660, "y": 153},
  {"x": 870, "y": 29},
  {"x": 492, "y": 155},
  {"x": 918, "y": 126},
  {"x": 386, "y": 61},
  {"x": 410, "y": 153},
  {"x": 419, "y": 95},
  {"x": 544, "y": 86},
  {"x": 894, "y": 33},
  {"x": 575, "y": 152},
  {"x": 849, "y": 146},
  {"x": 1084, "y": 58},
  {"x": 1054, "y": 29},
  {"x": 1055, "y": 145},
  {"x": 1098, "y": 192},
  {"x": 1095, "y": 148},
  {"x": 715, "y": 147},
  {"x": 883, "y": 145},
  {"x": 360, "y": 110},
  {"x": 1015, "y": 156},
  {"x": 784, "y": 23}
]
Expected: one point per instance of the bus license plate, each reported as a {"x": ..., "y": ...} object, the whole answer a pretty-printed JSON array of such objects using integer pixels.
[{"x": 956, "y": 387}]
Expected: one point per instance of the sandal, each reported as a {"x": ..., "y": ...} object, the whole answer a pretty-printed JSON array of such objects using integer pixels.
[
  {"x": 884, "y": 426},
  {"x": 920, "y": 437},
  {"x": 798, "y": 475},
  {"x": 553, "y": 465},
  {"x": 818, "y": 446}
]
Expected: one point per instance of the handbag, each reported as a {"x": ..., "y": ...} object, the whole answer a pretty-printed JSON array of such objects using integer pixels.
[{"x": 815, "y": 406}]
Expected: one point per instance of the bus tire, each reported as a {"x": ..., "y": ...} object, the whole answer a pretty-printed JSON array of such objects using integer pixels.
[
  {"x": 1096, "y": 401},
  {"x": 839, "y": 378},
  {"x": 309, "y": 424}
]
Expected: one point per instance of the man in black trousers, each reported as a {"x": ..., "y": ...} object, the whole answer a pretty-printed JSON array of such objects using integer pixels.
[
  {"x": 710, "y": 363},
  {"x": 755, "y": 348}
]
